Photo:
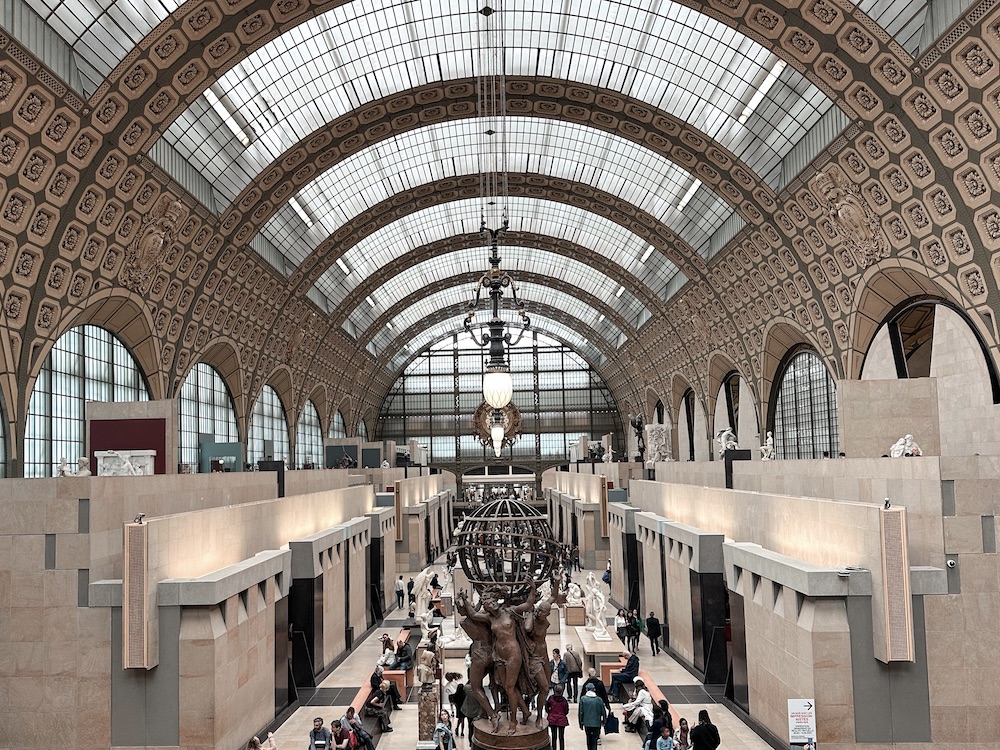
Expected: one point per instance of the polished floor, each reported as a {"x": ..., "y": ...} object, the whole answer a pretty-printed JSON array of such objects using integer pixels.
[{"x": 338, "y": 690}]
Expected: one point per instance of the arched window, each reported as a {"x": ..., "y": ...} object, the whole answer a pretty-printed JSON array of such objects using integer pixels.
[
  {"x": 338, "y": 429},
  {"x": 727, "y": 408},
  {"x": 658, "y": 411},
  {"x": 309, "y": 438},
  {"x": 206, "y": 408},
  {"x": 87, "y": 363},
  {"x": 268, "y": 424},
  {"x": 687, "y": 405},
  {"x": 362, "y": 430},
  {"x": 805, "y": 412}
]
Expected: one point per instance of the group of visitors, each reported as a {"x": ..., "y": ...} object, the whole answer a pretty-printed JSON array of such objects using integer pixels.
[
  {"x": 569, "y": 557},
  {"x": 345, "y": 733},
  {"x": 630, "y": 626}
]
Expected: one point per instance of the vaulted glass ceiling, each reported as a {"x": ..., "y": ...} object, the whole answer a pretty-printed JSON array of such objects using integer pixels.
[
  {"x": 516, "y": 260},
  {"x": 100, "y": 34},
  {"x": 409, "y": 318},
  {"x": 557, "y": 220},
  {"x": 434, "y": 333},
  {"x": 660, "y": 52},
  {"x": 558, "y": 149}
]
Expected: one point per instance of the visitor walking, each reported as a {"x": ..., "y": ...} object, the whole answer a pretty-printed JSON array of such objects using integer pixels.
[
  {"x": 557, "y": 710},
  {"x": 596, "y": 684},
  {"x": 400, "y": 587},
  {"x": 654, "y": 631},
  {"x": 574, "y": 667},
  {"x": 592, "y": 713}
]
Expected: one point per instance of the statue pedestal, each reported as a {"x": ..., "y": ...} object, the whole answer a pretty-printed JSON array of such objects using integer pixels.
[
  {"x": 524, "y": 736},
  {"x": 427, "y": 714},
  {"x": 575, "y": 615}
]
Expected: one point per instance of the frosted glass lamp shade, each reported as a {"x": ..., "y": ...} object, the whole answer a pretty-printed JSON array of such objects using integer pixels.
[
  {"x": 498, "y": 388},
  {"x": 496, "y": 433}
]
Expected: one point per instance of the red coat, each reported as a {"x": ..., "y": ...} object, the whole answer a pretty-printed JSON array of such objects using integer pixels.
[{"x": 557, "y": 707}]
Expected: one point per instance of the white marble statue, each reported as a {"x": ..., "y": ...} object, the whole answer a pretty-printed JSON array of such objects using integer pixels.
[
  {"x": 597, "y": 602},
  {"x": 726, "y": 440},
  {"x": 767, "y": 449},
  {"x": 905, "y": 446},
  {"x": 83, "y": 466},
  {"x": 609, "y": 455},
  {"x": 574, "y": 595},
  {"x": 63, "y": 470}
]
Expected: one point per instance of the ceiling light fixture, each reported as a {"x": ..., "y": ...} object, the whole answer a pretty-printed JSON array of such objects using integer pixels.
[
  {"x": 498, "y": 385},
  {"x": 227, "y": 117},
  {"x": 645, "y": 255},
  {"x": 762, "y": 91},
  {"x": 689, "y": 194}
]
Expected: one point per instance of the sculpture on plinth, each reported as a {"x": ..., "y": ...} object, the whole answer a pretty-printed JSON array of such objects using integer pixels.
[
  {"x": 426, "y": 668},
  {"x": 659, "y": 444},
  {"x": 906, "y": 447},
  {"x": 638, "y": 423},
  {"x": 63, "y": 470},
  {"x": 507, "y": 552},
  {"x": 597, "y": 603},
  {"x": 727, "y": 441},
  {"x": 767, "y": 449},
  {"x": 83, "y": 466}
]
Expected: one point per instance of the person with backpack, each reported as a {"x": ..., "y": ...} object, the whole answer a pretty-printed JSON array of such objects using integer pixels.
[
  {"x": 705, "y": 736},
  {"x": 557, "y": 711},
  {"x": 320, "y": 737}
]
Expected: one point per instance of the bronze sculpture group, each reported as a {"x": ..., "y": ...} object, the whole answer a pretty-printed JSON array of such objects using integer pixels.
[{"x": 508, "y": 644}]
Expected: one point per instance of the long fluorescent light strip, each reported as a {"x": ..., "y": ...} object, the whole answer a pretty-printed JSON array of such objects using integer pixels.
[
  {"x": 222, "y": 111},
  {"x": 301, "y": 211},
  {"x": 343, "y": 266},
  {"x": 620, "y": 292},
  {"x": 759, "y": 95},
  {"x": 645, "y": 255},
  {"x": 689, "y": 194}
]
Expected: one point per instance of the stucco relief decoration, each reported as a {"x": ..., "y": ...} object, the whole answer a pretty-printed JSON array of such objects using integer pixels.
[
  {"x": 145, "y": 255},
  {"x": 851, "y": 215}
]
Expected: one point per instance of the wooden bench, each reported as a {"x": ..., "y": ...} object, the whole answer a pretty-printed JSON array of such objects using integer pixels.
[
  {"x": 608, "y": 668},
  {"x": 401, "y": 678},
  {"x": 657, "y": 695}
]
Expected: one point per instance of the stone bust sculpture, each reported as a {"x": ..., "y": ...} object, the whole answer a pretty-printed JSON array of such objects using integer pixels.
[{"x": 425, "y": 669}]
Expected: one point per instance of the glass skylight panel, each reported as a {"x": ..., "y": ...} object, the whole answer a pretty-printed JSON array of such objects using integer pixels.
[
  {"x": 556, "y": 220},
  {"x": 672, "y": 58},
  {"x": 101, "y": 34},
  {"x": 567, "y": 150}
]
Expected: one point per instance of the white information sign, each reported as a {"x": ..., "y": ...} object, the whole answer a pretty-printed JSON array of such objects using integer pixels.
[{"x": 801, "y": 721}]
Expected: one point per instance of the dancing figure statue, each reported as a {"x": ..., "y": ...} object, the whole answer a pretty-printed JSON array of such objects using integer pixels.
[
  {"x": 504, "y": 621},
  {"x": 481, "y": 655},
  {"x": 536, "y": 625}
]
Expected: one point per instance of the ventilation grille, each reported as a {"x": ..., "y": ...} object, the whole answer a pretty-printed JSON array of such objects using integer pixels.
[
  {"x": 896, "y": 597},
  {"x": 134, "y": 594}
]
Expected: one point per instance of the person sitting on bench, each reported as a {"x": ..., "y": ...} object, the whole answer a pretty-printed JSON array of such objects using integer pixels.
[
  {"x": 378, "y": 705},
  {"x": 376, "y": 680}
]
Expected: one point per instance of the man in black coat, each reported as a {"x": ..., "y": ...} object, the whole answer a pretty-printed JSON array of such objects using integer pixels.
[
  {"x": 595, "y": 682},
  {"x": 654, "y": 631},
  {"x": 627, "y": 674}
]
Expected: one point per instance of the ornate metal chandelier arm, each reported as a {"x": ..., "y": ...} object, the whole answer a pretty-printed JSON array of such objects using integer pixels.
[{"x": 484, "y": 338}]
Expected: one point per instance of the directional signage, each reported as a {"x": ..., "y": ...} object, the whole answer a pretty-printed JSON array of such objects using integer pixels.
[{"x": 801, "y": 721}]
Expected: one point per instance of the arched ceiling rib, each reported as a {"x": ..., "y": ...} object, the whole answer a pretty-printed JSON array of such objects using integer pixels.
[
  {"x": 547, "y": 99},
  {"x": 601, "y": 333},
  {"x": 670, "y": 57},
  {"x": 569, "y": 292},
  {"x": 405, "y": 345},
  {"x": 566, "y": 150},
  {"x": 537, "y": 204},
  {"x": 425, "y": 262}
]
